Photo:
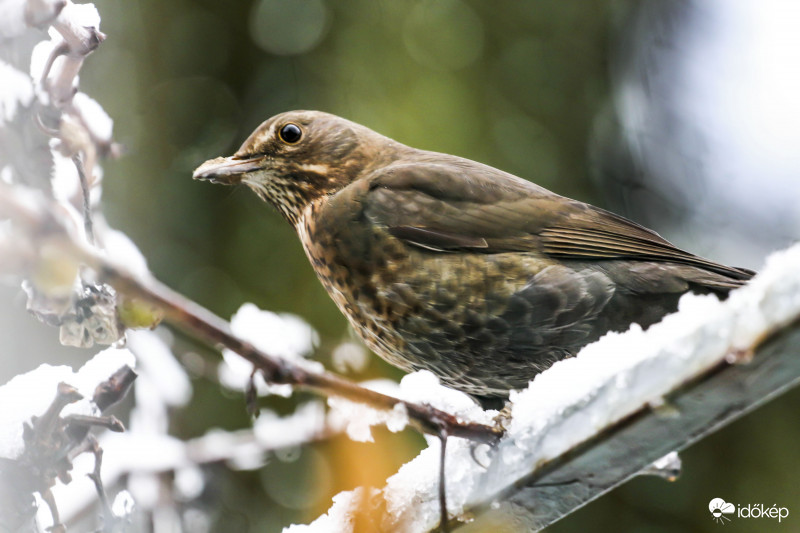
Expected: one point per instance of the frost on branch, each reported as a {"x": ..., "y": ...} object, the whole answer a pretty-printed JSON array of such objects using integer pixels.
[
  {"x": 54, "y": 408},
  {"x": 590, "y": 423},
  {"x": 53, "y": 138}
]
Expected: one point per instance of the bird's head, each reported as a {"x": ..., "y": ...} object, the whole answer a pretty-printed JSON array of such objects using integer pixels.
[{"x": 295, "y": 157}]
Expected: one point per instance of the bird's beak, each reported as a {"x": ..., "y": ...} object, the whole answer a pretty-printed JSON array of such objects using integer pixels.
[{"x": 227, "y": 170}]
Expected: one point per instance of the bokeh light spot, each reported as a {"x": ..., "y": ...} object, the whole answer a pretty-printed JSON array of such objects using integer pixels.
[
  {"x": 443, "y": 35},
  {"x": 288, "y": 27}
]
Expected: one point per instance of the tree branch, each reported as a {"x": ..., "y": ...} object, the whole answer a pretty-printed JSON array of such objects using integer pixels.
[{"x": 37, "y": 218}]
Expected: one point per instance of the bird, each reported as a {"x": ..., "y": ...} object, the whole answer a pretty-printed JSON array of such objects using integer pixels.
[{"x": 445, "y": 264}]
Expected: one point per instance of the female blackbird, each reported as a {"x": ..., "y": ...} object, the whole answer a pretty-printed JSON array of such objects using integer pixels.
[{"x": 445, "y": 264}]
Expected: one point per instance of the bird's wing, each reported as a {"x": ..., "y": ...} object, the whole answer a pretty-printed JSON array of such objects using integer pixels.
[{"x": 460, "y": 205}]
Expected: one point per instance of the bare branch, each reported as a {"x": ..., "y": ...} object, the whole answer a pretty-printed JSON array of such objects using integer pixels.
[{"x": 35, "y": 215}]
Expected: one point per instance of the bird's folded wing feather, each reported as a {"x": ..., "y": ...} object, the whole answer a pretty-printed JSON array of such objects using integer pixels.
[{"x": 460, "y": 205}]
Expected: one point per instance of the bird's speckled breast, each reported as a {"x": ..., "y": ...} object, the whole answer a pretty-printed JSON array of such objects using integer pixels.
[
  {"x": 350, "y": 265},
  {"x": 413, "y": 307}
]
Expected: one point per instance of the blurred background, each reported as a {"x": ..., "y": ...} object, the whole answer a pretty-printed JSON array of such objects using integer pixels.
[{"x": 681, "y": 115}]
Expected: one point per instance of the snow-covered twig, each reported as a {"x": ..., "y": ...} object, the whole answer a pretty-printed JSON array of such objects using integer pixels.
[
  {"x": 36, "y": 219},
  {"x": 42, "y": 436},
  {"x": 73, "y": 275}
]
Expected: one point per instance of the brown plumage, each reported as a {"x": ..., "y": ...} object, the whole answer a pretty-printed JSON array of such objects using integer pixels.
[{"x": 445, "y": 264}]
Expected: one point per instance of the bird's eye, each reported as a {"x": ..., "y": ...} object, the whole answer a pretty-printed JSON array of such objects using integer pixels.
[{"x": 290, "y": 133}]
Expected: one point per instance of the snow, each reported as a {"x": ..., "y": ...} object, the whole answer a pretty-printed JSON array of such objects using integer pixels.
[
  {"x": 305, "y": 424},
  {"x": 349, "y": 356},
  {"x": 16, "y": 90},
  {"x": 576, "y": 398},
  {"x": 286, "y": 336},
  {"x": 189, "y": 482},
  {"x": 64, "y": 179},
  {"x": 156, "y": 359},
  {"x": 81, "y": 15},
  {"x": 424, "y": 387},
  {"x": 74, "y": 28},
  {"x": 39, "y": 61},
  {"x": 16, "y": 16},
  {"x": 356, "y": 419},
  {"x": 123, "y": 505},
  {"x": 145, "y": 451},
  {"x": 142, "y": 452},
  {"x": 94, "y": 116},
  {"x": 30, "y": 394},
  {"x": 338, "y": 518},
  {"x": 667, "y": 467},
  {"x": 7, "y": 175},
  {"x": 120, "y": 249},
  {"x": 12, "y": 18}
]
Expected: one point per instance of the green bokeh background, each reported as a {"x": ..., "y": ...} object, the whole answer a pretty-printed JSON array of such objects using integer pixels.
[{"x": 513, "y": 84}]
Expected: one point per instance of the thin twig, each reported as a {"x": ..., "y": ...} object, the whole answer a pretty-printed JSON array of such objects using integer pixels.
[
  {"x": 108, "y": 514},
  {"x": 88, "y": 225},
  {"x": 214, "y": 331},
  {"x": 442, "y": 492}
]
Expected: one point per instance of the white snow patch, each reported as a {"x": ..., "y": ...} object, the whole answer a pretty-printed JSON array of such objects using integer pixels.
[
  {"x": 420, "y": 387},
  {"x": 120, "y": 249},
  {"x": 349, "y": 356},
  {"x": 30, "y": 394},
  {"x": 338, "y": 518},
  {"x": 65, "y": 180},
  {"x": 357, "y": 419},
  {"x": 123, "y": 505},
  {"x": 167, "y": 375},
  {"x": 305, "y": 424},
  {"x": 286, "y": 336},
  {"x": 81, "y": 15},
  {"x": 16, "y": 90},
  {"x": 94, "y": 116},
  {"x": 12, "y": 18}
]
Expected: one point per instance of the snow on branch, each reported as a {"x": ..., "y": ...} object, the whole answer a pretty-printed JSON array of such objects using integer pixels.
[
  {"x": 37, "y": 221},
  {"x": 93, "y": 283},
  {"x": 53, "y": 243},
  {"x": 54, "y": 409},
  {"x": 590, "y": 423}
]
